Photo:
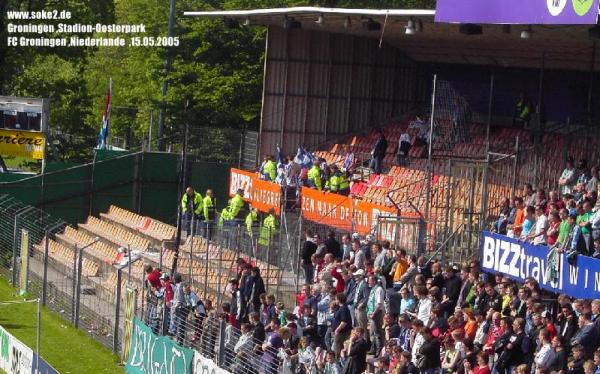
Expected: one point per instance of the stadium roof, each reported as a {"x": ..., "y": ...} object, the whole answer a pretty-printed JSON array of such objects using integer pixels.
[{"x": 562, "y": 47}]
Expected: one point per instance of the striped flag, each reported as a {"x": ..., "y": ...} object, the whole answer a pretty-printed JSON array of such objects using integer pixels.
[{"x": 105, "y": 119}]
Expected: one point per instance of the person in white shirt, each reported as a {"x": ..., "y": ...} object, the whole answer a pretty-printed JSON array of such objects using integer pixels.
[
  {"x": 545, "y": 354},
  {"x": 424, "y": 309},
  {"x": 537, "y": 235},
  {"x": 416, "y": 339}
]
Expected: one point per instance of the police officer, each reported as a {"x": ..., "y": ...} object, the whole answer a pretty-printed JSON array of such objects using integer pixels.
[{"x": 191, "y": 206}]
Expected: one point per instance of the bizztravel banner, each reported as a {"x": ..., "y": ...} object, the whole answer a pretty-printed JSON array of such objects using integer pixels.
[
  {"x": 519, "y": 260},
  {"x": 150, "y": 353},
  {"x": 531, "y": 12},
  {"x": 262, "y": 195}
]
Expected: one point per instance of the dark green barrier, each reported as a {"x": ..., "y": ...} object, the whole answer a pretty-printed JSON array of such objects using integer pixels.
[
  {"x": 150, "y": 353},
  {"x": 145, "y": 183}
]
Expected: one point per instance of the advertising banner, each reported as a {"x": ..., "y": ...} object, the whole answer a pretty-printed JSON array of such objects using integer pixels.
[
  {"x": 557, "y": 12},
  {"x": 5, "y": 350},
  {"x": 150, "y": 353},
  {"x": 24, "y": 272},
  {"x": 203, "y": 365},
  {"x": 519, "y": 261},
  {"x": 366, "y": 214},
  {"x": 262, "y": 195},
  {"x": 130, "y": 298},
  {"x": 22, "y": 143},
  {"x": 265, "y": 196},
  {"x": 241, "y": 179},
  {"x": 327, "y": 208},
  {"x": 17, "y": 358},
  {"x": 21, "y": 358}
]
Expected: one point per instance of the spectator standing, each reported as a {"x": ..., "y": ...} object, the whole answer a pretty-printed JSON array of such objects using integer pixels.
[
  {"x": 349, "y": 159},
  {"x": 568, "y": 178},
  {"x": 333, "y": 246},
  {"x": 429, "y": 353},
  {"x": 537, "y": 235},
  {"x": 361, "y": 297},
  {"x": 528, "y": 195},
  {"x": 356, "y": 352},
  {"x": 341, "y": 324},
  {"x": 517, "y": 226},
  {"x": 309, "y": 248},
  {"x": 378, "y": 153},
  {"x": 404, "y": 145},
  {"x": 528, "y": 222},
  {"x": 375, "y": 310}
]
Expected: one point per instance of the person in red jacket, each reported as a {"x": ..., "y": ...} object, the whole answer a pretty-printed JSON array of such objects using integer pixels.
[{"x": 153, "y": 277}]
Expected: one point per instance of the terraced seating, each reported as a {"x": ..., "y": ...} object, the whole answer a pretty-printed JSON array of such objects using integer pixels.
[
  {"x": 101, "y": 250},
  {"x": 114, "y": 234},
  {"x": 66, "y": 256},
  {"x": 152, "y": 228}
]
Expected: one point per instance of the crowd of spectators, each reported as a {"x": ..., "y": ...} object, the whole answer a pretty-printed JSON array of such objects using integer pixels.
[
  {"x": 366, "y": 306},
  {"x": 567, "y": 220}
]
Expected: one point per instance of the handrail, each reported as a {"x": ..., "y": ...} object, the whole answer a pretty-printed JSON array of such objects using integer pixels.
[{"x": 444, "y": 243}]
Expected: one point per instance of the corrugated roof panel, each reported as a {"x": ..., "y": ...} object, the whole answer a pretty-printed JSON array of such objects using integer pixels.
[
  {"x": 275, "y": 80},
  {"x": 277, "y": 43}
]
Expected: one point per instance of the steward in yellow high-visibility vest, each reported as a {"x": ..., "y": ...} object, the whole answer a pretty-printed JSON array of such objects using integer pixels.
[
  {"x": 270, "y": 169},
  {"x": 251, "y": 221},
  {"x": 232, "y": 211},
  {"x": 191, "y": 202},
  {"x": 267, "y": 230},
  {"x": 210, "y": 214},
  {"x": 314, "y": 176},
  {"x": 210, "y": 206}
]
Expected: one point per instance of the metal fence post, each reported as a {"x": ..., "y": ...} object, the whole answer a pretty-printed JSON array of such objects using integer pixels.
[
  {"x": 15, "y": 244},
  {"x": 193, "y": 231},
  {"x": 221, "y": 343},
  {"x": 74, "y": 285},
  {"x": 79, "y": 255},
  {"x": 268, "y": 261},
  {"x": 45, "y": 279},
  {"x": 115, "y": 344},
  {"x": 206, "y": 265}
]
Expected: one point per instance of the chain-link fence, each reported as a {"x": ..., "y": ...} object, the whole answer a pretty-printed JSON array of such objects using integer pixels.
[{"x": 72, "y": 271}]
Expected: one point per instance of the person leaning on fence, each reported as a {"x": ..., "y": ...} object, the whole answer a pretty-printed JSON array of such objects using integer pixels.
[
  {"x": 191, "y": 206},
  {"x": 230, "y": 216},
  {"x": 268, "y": 228}
]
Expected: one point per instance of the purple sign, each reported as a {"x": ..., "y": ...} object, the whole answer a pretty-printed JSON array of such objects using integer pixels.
[{"x": 532, "y": 12}]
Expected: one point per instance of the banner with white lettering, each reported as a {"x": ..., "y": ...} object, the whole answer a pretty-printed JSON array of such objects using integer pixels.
[
  {"x": 203, "y": 365},
  {"x": 17, "y": 358},
  {"x": 21, "y": 357},
  {"x": 150, "y": 353},
  {"x": 519, "y": 260}
]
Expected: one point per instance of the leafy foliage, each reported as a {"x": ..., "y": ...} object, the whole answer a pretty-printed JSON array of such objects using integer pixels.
[{"x": 216, "y": 70}]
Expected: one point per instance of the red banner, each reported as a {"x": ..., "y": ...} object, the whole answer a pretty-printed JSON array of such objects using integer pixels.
[
  {"x": 262, "y": 195},
  {"x": 327, "y": 208}
]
